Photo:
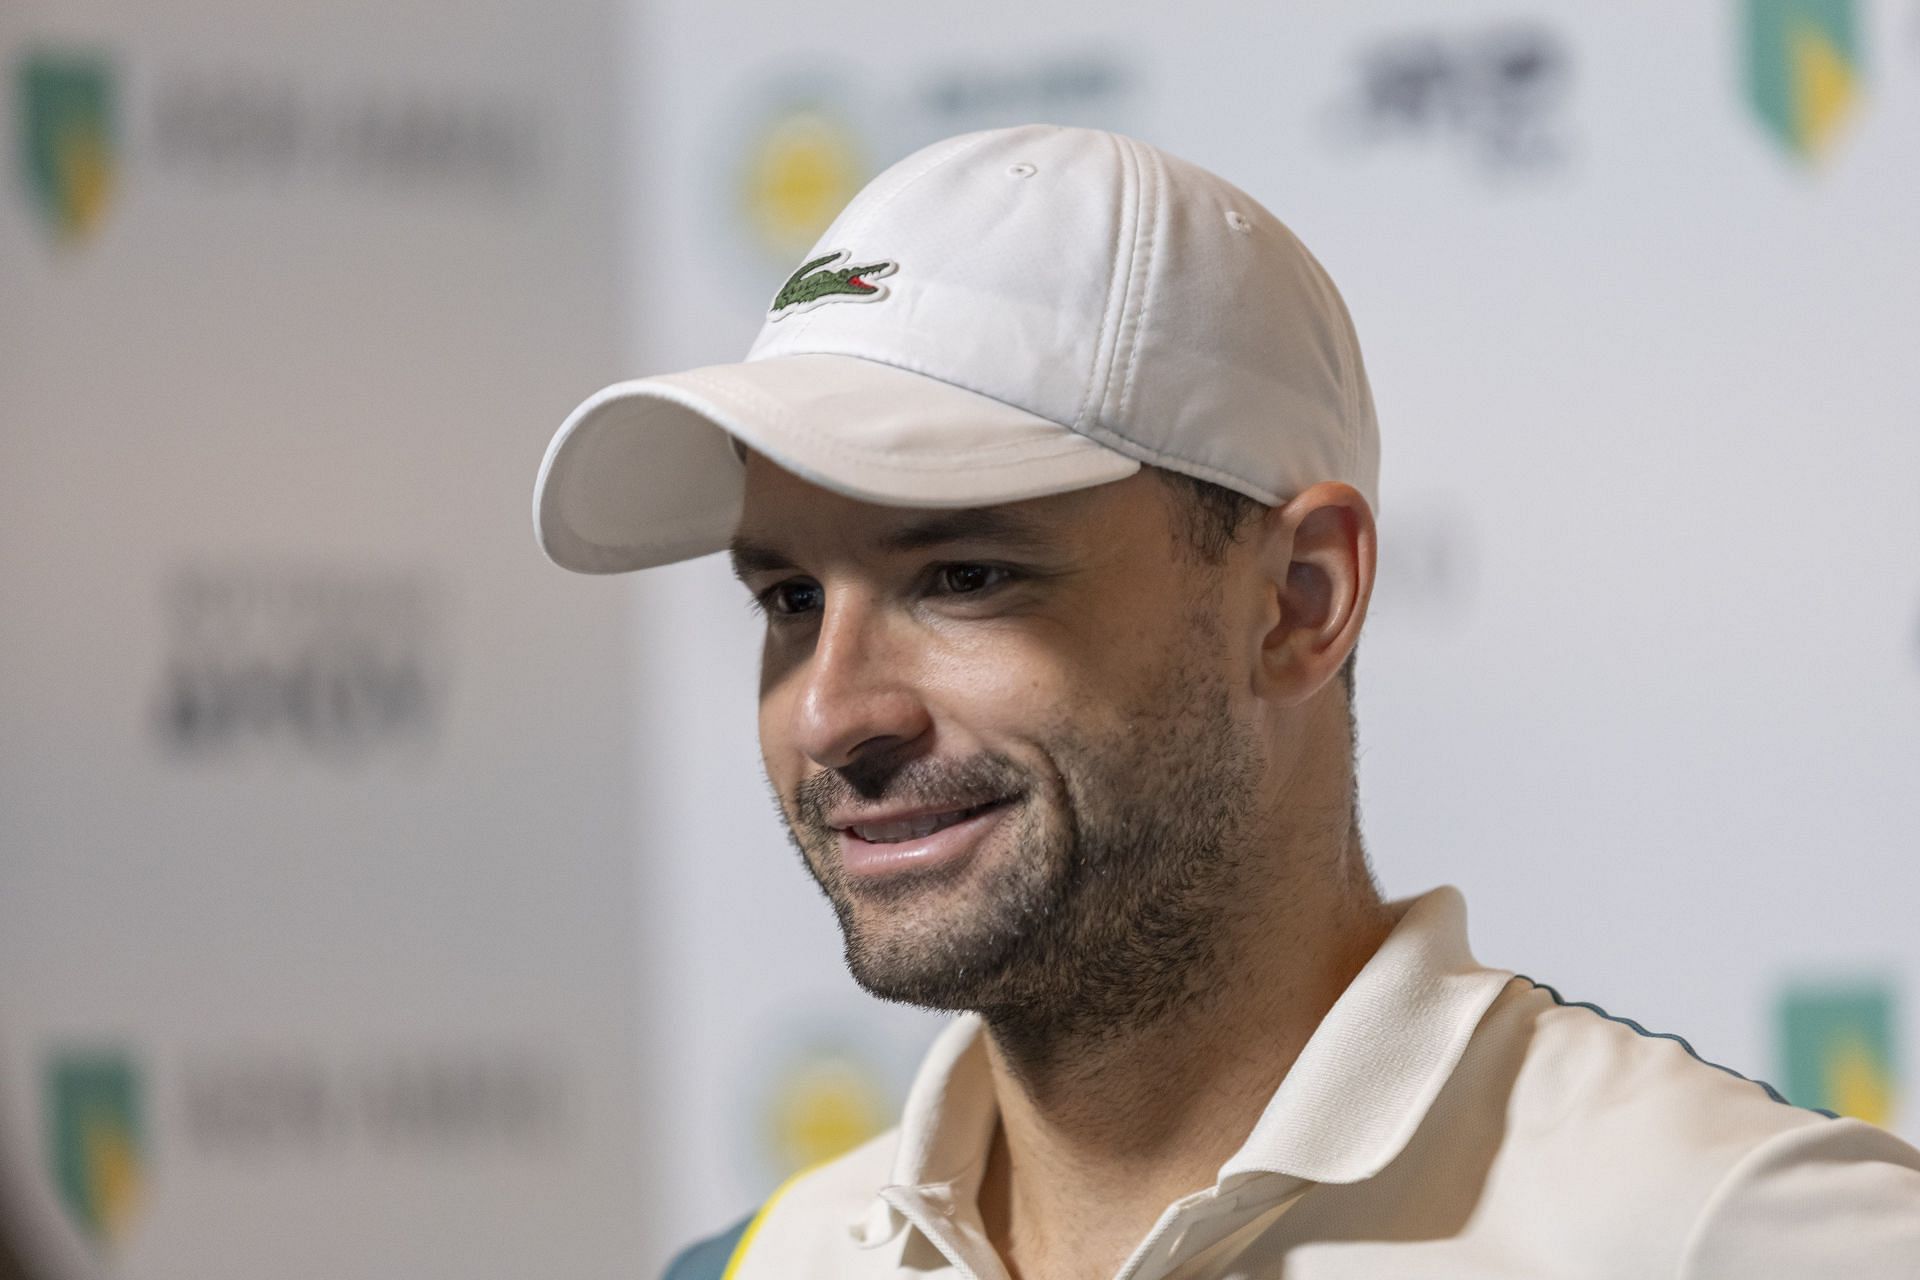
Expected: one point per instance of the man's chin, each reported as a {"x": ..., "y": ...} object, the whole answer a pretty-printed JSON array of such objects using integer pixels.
[
  {"x": 924, "y": 981},
  {"x": 935, "y": 946}
]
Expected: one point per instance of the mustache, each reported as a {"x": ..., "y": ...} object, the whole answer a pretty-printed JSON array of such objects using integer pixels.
[{"x": 923, "y": 781}]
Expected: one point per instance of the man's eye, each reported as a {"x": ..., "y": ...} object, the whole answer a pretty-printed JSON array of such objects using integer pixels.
[
  {"x": 784, "y": 599},
  {"x": 793, "y": 599},
  {"x": 965, "y": 579}
]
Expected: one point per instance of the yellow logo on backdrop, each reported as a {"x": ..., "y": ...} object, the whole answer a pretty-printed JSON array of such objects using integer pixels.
[
  {"x": 823, "y": 1105},
  {"x": 1859, "y": 1082},
  {"x": 800, "y": 173},
  {"x": 67, "y": 143}
]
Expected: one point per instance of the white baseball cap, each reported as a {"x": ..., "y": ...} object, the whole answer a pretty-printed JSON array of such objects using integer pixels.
[{"x": 999, "y": 316}]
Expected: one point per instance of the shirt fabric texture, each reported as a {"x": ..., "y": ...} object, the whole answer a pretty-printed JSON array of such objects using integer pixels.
[{"x": 1444, "y": 1120}]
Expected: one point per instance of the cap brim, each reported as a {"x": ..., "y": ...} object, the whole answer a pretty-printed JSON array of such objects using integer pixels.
[{"x": 642, "y": 473}]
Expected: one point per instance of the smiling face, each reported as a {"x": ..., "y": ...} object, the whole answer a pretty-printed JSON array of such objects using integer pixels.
[{"x": 1008, "y": 741}]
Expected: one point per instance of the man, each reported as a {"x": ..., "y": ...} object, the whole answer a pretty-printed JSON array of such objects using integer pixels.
[{"x": 1053, "y": 472}]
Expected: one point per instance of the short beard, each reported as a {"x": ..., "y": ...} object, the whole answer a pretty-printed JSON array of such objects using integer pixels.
[{"x": 1130, "y": 859}]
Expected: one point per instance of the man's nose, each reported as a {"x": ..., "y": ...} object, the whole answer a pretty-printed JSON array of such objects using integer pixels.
[{"x": 856, "y": 698}]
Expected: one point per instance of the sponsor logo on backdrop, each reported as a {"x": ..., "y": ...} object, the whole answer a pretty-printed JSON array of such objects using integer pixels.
[
  {"x": 259, "y": 124},
  {"x": 331, "y": 663},
  {"x": 96, "y": 1145},
  {"x": 1497, "y": 96},
  {"x": 798, "y": 173},
  {"x": 1837, "y": 1048},
  {"x": 822, "y": 1101},
  {"x": 69, "y": 139},
  {"x": 238, "y": 124},
  {"x": 451, "y": 1099},
  {"x": 1076, "y": 88},
  {"x": 1802, "y": 70}
]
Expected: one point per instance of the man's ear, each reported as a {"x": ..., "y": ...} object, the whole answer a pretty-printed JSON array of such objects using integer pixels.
[{"x": 1317, "y": 556}]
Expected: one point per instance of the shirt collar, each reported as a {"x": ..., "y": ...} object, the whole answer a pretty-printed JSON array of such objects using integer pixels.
[
  {"x": 950, "y": 1115},
  {"x": 1374, "y": 1065},
  {"x": 1348, "y": 1105}
]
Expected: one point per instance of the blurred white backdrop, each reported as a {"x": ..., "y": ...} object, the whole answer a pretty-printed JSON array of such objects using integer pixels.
[{"x": 1637, "y": 291}]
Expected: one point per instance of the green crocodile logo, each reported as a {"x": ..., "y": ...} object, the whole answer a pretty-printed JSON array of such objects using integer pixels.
[{"x": 816, "y": 282}]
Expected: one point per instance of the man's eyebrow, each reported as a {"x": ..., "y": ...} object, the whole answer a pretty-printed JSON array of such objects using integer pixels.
[
  {"x": 751, "y": 557},
  {"x": 987, "y": 524}
]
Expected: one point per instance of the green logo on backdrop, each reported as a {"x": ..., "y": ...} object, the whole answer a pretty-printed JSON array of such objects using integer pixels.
[
  {"x": 94, "y": 1139},
  {"x": 67, "y": 139},
  {"x": 1803, "y": 69},
  {"x": 1836, "y": 1043}
]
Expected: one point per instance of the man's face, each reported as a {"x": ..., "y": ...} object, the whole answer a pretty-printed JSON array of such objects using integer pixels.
[{"x": 1008, "y": 742}]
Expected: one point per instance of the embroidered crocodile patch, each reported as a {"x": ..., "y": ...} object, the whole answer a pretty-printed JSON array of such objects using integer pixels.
[{"x": 817, "y": 282}]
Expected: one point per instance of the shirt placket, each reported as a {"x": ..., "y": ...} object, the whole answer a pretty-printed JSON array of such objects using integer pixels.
[
  {"x": 1189, "y": 1227},
  {"x": 935, "y": 1211},
  {"x": 1198, "y": 1222}
]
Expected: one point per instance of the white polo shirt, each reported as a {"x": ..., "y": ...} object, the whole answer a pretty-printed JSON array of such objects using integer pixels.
[{"x": 1444, "y": 1120}]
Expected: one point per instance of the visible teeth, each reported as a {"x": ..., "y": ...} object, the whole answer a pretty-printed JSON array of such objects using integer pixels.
[{"x": 913, "y": 828}]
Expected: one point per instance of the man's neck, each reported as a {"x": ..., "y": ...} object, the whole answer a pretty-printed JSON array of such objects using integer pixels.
[{"x": 1098, "y": 1138}]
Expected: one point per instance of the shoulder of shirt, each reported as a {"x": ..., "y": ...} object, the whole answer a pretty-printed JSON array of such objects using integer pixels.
[
  {"x": 1616, "y": 1061},
  {"x": 1724, "y": 1167},
  {"x": 1841, "y": 1198},
  {"x": 807, "y": 1216},
  {"x": 1582, "y": 1071}
]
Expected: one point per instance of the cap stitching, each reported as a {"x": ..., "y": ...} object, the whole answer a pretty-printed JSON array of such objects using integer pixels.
[
  {"x": 1354, "y": 425},
  {"x": 1114, "y": 365},
  {"x": 1346, "y": 346},
  {"x": 1146, "y": 296},
  {"x": 1158, "y": 457},
  {"x": 1356, "y": 413},
  {"x": 1126, "y": 326},
  {"x": 1106, "y": 318}
]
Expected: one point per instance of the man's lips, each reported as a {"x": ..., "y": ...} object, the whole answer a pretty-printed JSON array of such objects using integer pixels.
[
  {"x": 917, "y": 842},
  {"x": 896, "y": 826}
]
